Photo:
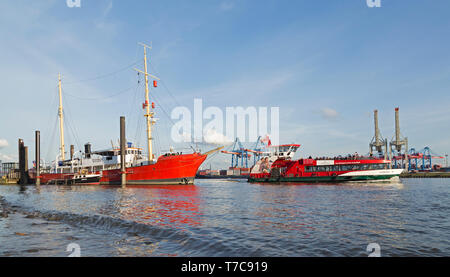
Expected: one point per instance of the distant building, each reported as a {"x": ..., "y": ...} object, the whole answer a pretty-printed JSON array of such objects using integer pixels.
[{"x": 10, "y": 170}]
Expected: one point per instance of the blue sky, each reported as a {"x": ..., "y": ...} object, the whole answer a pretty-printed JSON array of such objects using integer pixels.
[{"x": 326, "y": 64}]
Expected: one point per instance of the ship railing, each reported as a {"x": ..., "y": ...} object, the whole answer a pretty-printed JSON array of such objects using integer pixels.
[{"x": 349, "y": 157}]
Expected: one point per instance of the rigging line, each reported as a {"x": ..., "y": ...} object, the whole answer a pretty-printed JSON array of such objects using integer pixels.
[
  {"x": 102, "y": 97},
  {"x": 138, "y": 133},
  {"x": 164, "y": 84},
  {"x": 133, "y": 105},
  {"x": 70, "y": 126},
  {"x": 210, "y": 157},
  {"x": 138, "y": 116},
  {"x": 51, "y": 111},
  {"x": 49, "y": 149},
  {"x": 70, "y": 121},
  {"x": 157, "y": 100},
  {"x": 102, "y": 76},
  {"x": 159, "y": 103},
  {"x": 168, "y": 91},
  {"x": 156, "y": 143},
  {"x": 164, "y": 111}
]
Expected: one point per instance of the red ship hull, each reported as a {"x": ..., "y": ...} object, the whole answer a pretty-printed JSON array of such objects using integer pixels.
[{"x": 173, "y": 170}]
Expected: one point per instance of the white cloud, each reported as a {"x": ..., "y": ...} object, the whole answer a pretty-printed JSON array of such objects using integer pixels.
[
  {"x": 6, "y": 158},
  {"x": 259, "y": 87},
  {"x": 103, "y": 24},
  {"x": 226, "y": 6},
  {"x": 329, "y": 113},
  {"x": 211, "y": 136},
  {"x": 3, "y": 143},
  {"x": 108, "y": 9}
]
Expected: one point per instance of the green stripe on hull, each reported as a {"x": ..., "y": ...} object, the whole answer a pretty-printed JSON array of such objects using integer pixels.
[{"x": 323, "y": 178}]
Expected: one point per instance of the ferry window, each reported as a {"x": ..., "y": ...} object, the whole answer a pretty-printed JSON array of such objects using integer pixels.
[
  {"x": 364, "y": 167},
  {"x": 376, "y": 166}
]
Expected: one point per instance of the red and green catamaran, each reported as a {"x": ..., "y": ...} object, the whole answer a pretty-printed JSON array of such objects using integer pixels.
[{"x": 278, "y": 166}]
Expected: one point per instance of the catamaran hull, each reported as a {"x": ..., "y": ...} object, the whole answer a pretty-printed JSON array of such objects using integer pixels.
[{"x": 372, "y": 175}]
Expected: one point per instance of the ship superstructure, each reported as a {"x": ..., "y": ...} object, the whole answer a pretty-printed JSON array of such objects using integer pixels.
[{"x": 104, "y": 167}]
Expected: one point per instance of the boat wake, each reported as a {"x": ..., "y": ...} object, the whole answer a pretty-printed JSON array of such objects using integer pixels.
[{"x": 178, "y": 240}]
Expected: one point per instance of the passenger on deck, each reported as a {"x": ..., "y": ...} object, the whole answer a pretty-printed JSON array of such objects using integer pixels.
[{"x": 264, "y": 167}]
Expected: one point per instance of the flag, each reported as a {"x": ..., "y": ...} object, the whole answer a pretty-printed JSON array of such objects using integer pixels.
[{"x": 266, "y": 140}]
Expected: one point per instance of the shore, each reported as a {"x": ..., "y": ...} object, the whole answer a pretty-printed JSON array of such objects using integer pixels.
[{"x": 425, "y": 175}]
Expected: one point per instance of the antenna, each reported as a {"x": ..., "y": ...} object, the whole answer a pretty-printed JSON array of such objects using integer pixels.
[
  {"x": 147, "y": 74},
  {"x": 148, "y": 113},
  {"x": 145, "y": 45}
]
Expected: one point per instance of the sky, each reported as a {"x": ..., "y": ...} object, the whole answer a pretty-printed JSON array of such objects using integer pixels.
[{"x": 326, "y": 64}]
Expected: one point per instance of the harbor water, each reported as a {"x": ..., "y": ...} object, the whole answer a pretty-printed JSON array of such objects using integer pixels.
[{"x": 407, "y": 217}]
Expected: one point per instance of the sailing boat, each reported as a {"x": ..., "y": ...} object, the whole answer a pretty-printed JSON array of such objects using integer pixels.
[{"x": 103, "y": 167}]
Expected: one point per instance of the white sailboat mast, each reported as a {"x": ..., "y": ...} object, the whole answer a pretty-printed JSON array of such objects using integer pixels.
[{"x": 61, "y": 121}]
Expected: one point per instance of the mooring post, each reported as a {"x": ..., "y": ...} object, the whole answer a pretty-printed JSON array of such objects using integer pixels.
[
  {"x": 21, "y": 162},
  {"x": 122, "y": 151},
  {"x": 25, "y": 157},
  {"x": 38, "y": 157}
]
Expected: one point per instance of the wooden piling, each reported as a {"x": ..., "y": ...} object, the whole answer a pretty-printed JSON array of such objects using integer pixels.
[
  {"x": 38, "y": 157},
  {"x": 123, "y": 152},
  {"x": 21, "y": 162},
  {"x": 25, "y": 157}
]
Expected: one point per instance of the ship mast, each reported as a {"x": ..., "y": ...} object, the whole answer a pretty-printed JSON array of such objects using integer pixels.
[
  {"x": 148, "y": 113},
  {"x": 61, "y": 120}
]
